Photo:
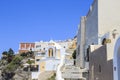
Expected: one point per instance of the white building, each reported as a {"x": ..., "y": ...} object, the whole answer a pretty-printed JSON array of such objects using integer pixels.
[
  {"x": 101, "y": 25},
  {"x": 103, "y": 17},
  {"x": 48, "y": 55},
  {"x": 40, "y": 46}
]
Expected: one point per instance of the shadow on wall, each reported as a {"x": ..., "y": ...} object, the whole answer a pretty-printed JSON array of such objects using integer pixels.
[{"x": 100, "y": 68}]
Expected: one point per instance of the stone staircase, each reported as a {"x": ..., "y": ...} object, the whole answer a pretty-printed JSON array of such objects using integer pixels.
[
  {"x": 21, "y": 75},
  {"x": 45, "y": 75}
]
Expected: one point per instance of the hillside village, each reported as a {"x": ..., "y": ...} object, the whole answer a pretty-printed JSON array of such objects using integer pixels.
[
  {"x": 93, "y": 54},
  {"x": 37, "y": 60},
  {"x": 48, "y": 55}
]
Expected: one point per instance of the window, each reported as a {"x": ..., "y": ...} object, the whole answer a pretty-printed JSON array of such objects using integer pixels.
[
  {"x": 87, "y": 55},
  {"x": 50, "y": 52},
  {"x": 104, "y": 41},
  {"x": 38, "y": 46},
  {"x": 30, "y": 49},
  {"x": 78, "y": 49},
  {"x": 37, "y": 59},
  {"x": 40, "y": 49},
  {"x": 114, "y": 68},
  {"x": 43, "y": 48},
  {"x": 100, "y": 68},
  {"x": 42, "y": 54}
]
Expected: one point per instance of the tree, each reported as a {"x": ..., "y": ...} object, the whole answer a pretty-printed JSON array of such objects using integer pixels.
[
  {"x": 10, "y": 52},
  {"x": 5, "y": 53},
  {"x": 30, "y": 62},
  {"x": 30, "y": 54},
  {"x": 23, "y": 54},
  {"x": 17, "y": 60},
  {"x": 10, "y": 55},
  {"x": 74, "y": 54},
  {"x": 14, "y": 64}
]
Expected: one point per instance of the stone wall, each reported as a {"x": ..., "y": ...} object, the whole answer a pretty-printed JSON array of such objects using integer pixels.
[{"x": 100, "y": 67}]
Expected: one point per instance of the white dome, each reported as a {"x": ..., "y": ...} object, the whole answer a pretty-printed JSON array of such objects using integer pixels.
[
  {"x": 55, "y": 44},
  {"x": 51, "y": 41}
]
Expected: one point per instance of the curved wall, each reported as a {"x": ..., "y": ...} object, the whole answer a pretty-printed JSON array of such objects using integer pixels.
[{"x": 116, "y": 60}]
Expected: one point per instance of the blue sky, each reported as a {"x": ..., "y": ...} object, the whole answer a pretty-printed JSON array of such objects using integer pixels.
[{"x": 35, "y": 20}]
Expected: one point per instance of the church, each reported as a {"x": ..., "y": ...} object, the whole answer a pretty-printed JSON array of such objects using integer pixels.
[{"x": 48, "y": 56}]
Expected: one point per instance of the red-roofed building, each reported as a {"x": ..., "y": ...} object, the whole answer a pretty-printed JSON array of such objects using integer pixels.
[{"x": 25, "y": 47}]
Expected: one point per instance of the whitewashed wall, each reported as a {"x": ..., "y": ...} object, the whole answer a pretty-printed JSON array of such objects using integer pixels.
[
  {"x": 108, "y": 15},
  {"x": 52, "y": 64}
]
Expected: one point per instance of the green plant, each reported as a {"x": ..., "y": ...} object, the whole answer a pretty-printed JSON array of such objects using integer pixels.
[
  {"x": 14, "y": 64},
  {"x": 74, "y": 54},
  {"x": 52, "y": 77},
  {"x": 30, "y": 61}
]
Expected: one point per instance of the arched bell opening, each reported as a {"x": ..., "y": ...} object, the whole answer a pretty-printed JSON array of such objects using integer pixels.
[{"x": 50, "y": 52}]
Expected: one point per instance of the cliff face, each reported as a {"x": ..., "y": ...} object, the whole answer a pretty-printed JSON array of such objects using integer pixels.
[
  {"x": 72, "y": 47},
  {"x": 15, "y": 70},
  {"x": 6, "y": 74}
]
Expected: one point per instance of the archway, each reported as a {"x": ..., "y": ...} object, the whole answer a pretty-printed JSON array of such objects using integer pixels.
[
  {"x": 50, "y": 52},
  {"x": 104, "y": 41},
  {"x": 116, "y": 60}
]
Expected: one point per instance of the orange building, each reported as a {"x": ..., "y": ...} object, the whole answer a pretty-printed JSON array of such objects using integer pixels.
[{"x": 25, "y": 47}]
